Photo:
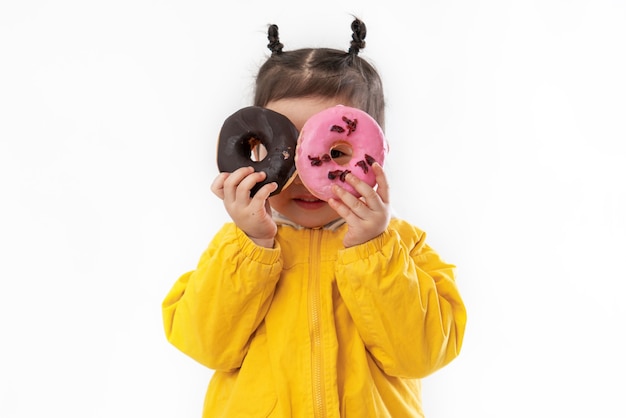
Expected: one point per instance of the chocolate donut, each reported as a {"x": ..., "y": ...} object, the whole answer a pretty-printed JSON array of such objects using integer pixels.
[{"x": 250, "y": 126}]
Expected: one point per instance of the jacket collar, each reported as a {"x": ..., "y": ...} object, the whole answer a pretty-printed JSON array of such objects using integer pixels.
[{"x": 282, "y": 220}]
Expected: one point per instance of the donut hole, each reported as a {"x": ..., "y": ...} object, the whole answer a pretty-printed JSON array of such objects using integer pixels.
[
  {"x": 341, "y": 153},
  {"x": 255, "y": 149}
]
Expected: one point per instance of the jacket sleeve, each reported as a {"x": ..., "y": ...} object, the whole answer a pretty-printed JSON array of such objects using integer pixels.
[
  {"x": 404, "y": 301},
  {"x": 211, "y": 313}
]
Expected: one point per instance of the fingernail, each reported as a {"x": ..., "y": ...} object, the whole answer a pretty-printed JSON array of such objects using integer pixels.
[{"x": 351, "y": 178}]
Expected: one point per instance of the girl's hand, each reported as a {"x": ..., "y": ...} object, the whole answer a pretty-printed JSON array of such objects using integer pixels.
[
  {"x": 251, "y": 214},
  {"x": 368, "y": 216}
]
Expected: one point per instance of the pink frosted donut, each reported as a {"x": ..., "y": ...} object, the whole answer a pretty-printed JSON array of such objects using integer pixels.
[{"x": 337, "y": 141}]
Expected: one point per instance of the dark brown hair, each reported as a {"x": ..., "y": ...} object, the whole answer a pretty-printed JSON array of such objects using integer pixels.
[{"x": 321, "y": 72}]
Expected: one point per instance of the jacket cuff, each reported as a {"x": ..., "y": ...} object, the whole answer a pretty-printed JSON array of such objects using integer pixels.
[
  {"x": 367, "y": 249},
  {"x": 255, "y": 252}
]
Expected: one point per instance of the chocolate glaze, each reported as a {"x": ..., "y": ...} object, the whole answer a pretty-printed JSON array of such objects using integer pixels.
[{"x": 253, "y": 124}]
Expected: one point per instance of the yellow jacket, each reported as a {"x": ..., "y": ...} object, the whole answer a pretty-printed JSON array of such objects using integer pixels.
[{"x": 312, "y": 329}]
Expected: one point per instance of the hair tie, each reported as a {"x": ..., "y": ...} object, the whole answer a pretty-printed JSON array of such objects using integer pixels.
[
  {"x": 359, "y": 31},
  {"x": 272, "y": 35}
]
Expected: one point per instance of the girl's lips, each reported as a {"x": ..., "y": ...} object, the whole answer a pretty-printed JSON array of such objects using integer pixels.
[{"x": 309, "y": 202}]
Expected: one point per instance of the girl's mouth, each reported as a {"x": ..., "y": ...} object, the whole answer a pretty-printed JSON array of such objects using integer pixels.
[{"x": 310, "y": 203}]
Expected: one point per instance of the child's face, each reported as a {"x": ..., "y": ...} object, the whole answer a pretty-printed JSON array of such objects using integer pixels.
[{"x": 295, "y": 201}]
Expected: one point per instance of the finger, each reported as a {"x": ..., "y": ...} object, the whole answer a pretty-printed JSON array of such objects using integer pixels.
[
  {"x": 264, "y": 192},
  {"x": 372, "y": 199},
  {"x": 232, "y": 182},
  {"x": 341, "y": 209},
  {"x": 268, "y": 207},
  {"x": 245, "y": 187},
  {"x": 354, "y": 205},
  {"x": 381, "y": 180},
  {"x": 259, "y": 205},
  {"x": 217, "y": 187}
]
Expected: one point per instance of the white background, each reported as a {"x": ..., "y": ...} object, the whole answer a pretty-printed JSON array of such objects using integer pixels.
[{"x": 506, "y": 124}]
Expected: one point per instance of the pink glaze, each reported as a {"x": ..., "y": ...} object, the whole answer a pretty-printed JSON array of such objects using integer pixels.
[{"x": 328, "y": 129}]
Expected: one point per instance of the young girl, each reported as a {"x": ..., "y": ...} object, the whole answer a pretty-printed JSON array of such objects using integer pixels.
[{"x": 306, "y": 308}]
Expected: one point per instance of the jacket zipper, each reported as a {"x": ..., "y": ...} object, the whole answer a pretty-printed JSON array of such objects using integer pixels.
[{"x": 315, "y": 327}]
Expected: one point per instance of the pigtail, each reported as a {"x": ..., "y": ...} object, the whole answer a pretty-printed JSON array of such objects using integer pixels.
[
  {"x": 359, "y": 31},
  {"x": 272, "y": 35},
  {"x": 321, "y": 72}
]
